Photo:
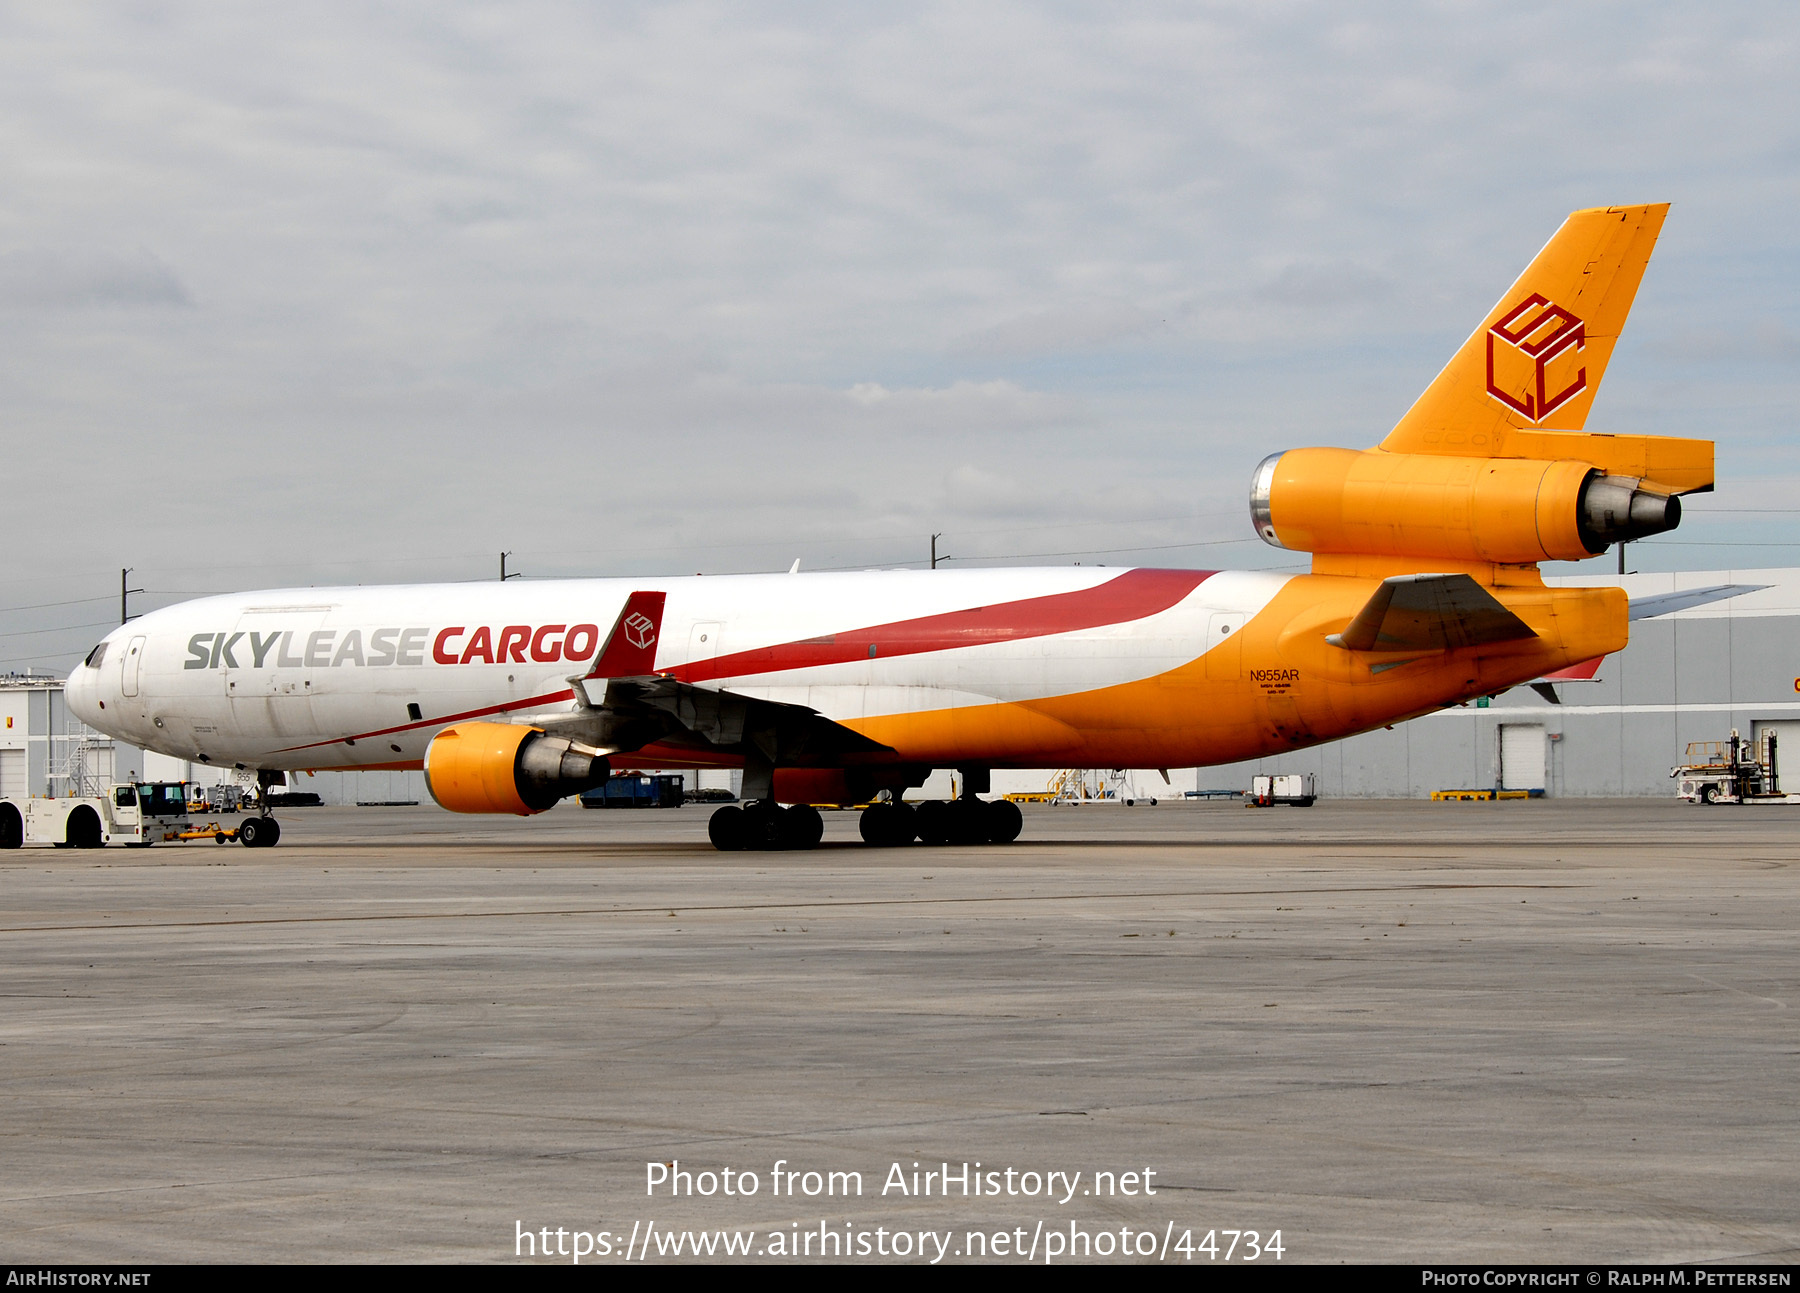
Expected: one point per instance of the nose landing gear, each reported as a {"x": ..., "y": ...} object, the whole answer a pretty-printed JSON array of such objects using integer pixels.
[{"x": 262, "y": 831}]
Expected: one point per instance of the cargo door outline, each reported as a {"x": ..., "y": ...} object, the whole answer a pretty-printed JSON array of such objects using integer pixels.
[
  {"x": 131, "y": 668},
  {"x": 1225, "y": 645},
  {"x": 275, "y": 698}
]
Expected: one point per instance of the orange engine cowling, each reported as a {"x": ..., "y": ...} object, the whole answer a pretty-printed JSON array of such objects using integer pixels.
[
  {"x": 508, "y": 768},
  {"x": 1510, "y": 510}
]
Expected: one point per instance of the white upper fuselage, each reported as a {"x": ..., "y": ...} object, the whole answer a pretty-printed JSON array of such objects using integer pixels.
[{"x": 348, "y": 677}]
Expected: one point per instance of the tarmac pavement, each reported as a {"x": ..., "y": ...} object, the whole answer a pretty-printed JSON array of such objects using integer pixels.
[{"x": 1406, "y": 1032}]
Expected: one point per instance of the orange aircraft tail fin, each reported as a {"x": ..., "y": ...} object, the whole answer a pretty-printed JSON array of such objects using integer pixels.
[{"x": 1522, "y": 384}]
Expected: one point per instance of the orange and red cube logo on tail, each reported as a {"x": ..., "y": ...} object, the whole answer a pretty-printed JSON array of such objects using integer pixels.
[{"x": 1533, "y": 358}]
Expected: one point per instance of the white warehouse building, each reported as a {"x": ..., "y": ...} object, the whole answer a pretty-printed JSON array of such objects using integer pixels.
[{"x": 1726, "y": 658}]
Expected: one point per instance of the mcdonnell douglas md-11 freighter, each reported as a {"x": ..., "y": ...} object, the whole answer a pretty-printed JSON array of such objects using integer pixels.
[{"x": 1424, "y": 591}]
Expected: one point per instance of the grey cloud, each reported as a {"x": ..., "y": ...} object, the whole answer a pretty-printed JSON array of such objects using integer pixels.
[
  {"x": 1327, "y": 284},
  {"x": 47, "y": 278},
  {"x": 695, "y": 274},
  {"x": 1767, "y": 341},
  {"x": 1070, "y": 327}
]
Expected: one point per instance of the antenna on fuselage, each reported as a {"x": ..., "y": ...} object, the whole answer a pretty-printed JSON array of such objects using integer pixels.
[{"x": 503, "y": 575}]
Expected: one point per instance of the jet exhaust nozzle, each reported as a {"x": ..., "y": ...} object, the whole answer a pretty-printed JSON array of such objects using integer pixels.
[{"x": 1619, "y": 509}]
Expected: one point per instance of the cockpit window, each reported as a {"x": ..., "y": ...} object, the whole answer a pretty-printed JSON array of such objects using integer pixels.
[{"x": 95, "y": 656}]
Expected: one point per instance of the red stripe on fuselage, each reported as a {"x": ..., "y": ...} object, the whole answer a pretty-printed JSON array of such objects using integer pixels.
[{"x": 1134, "y": 595}]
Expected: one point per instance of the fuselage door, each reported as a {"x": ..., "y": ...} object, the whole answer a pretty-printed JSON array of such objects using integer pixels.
[
  {"x": 1224, "y": 644},
  {"x": 703, "y": 641},
  {"x": 133, "y": 666}
]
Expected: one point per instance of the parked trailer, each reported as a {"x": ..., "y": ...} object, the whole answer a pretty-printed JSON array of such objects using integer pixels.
[
  {"x": 1294, "y": 790},
  {"x": 1733, "y": 771},
  {"x": 136, "y": 814}
]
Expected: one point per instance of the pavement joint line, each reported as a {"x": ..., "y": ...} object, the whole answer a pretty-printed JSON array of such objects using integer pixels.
[{"x": 763, "y": 906}]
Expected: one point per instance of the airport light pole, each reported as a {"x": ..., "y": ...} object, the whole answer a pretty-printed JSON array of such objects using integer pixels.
[{"x": 125, "y": 592}]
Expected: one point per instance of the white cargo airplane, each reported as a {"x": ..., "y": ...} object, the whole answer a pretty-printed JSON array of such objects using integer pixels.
[{"x": 832, "y": 688}]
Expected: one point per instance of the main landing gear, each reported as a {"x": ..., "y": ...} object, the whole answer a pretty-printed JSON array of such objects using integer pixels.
[
  {"x": 765, "y": 825},
  {"x": 938, "y": 821}
]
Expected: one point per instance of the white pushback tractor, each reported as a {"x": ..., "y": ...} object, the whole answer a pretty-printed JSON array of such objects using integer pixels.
[{"x": 132, "y": 813}]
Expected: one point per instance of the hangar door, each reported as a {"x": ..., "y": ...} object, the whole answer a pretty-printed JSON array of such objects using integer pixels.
[
  {"x": 1787, "y": 747},
  {"x": 1522, "y": 756}
]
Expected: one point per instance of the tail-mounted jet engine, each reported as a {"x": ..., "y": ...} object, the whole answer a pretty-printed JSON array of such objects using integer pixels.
[
  {"x": 1504, "y": 510},
  {"x": 508, "y": 768}
]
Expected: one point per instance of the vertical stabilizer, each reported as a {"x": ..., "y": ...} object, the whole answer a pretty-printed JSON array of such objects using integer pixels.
[{"x": 1536, "y": 361}]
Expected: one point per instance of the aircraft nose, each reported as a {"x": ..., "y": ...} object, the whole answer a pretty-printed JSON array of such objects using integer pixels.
[
  {"x": 78, "y": 691},
  {"x": 81, "y": 691}
]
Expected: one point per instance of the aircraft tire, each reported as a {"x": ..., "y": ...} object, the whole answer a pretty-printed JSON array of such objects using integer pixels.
[
  {"x": 968, "y": 821},
  {"x": 933, "y": 820},
  {"x": 12, "y": 827},
  {"x": 887, "y": 825},
  {"x": 250, "y": 833},
  {"x": 727, "y": 830},
  {"x": 764, "y": 825},
  {"x": 1004, "y": 821},
  {"x": 271, "y": 832},
  {"x": 801, "y": 827}
]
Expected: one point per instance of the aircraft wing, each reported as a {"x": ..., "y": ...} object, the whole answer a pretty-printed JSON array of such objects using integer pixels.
[
  {"x": 622, "y": 704},
  {"x": 723, "y": 720},
  {"x": 629, "y": 713},
  {"x": 1430, "y": 613}
]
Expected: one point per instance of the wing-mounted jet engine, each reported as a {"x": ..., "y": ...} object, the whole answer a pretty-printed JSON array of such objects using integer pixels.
[
  {"x": 621, "y": 704},
  {"x": 508, "y": 768}
]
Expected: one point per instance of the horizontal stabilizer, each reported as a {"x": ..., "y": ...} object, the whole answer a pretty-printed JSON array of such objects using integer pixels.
[
  {"x": 1430, "y": 613},
  {"x": 1646, "y": 608}
]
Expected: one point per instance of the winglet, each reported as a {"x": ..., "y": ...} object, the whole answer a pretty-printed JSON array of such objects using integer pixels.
[{"x": 630, "y": 650}]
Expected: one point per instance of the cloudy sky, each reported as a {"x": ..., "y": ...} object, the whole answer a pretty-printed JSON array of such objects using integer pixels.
[{"x": 340, "y": 293}]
